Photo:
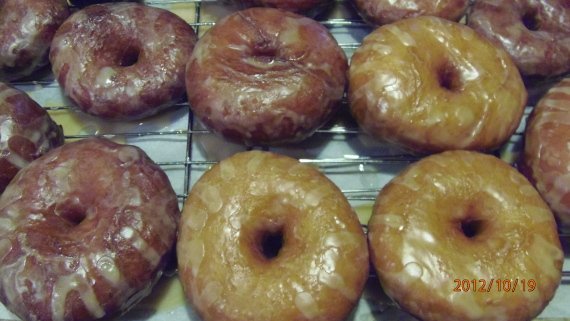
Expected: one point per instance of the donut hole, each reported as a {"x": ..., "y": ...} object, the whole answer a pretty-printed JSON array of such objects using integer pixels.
[
  {"x": 74, "y": 214},
  {"x": 449, "y": 77},
  {"x": 471, "y": 228},
  {"x": 530, "y": 20},
  {"x": 129, "y": 56},
  {"x": 270, "y": 243},
  {"x": 264, "y": 54}
]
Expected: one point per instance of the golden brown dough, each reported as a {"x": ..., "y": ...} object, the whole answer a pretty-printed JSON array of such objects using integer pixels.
[{"x": 381, "y": 12}]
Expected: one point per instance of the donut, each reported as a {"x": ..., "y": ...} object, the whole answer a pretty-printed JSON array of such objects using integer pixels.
[
  {"x": 26, "y": 132},
  {"x": 535, "y": 33},
  {"x": 26, "y": 30},
  {"x": 381, "y": 12},
  {"x": 427, "y": 85},
  {"x": 264, "y": 237},
  {"x": 464, "y": 216},
  {"x": 298, "y": 6},
  {"x": 122, "y": 61},
  {"x": 86, "y": 231},
  {"x": 265, "y": 76},
  {"x": 546, "y": 156}
]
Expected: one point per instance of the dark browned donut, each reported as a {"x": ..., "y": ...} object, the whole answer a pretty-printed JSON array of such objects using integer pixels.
[
  {"x": 266, "y": 76},
  {"x": 26, "y": 31},
  {"x": 298, "y": 6},
  {"x": 122, "y": 60},
  {"x": 86, "y": 231},
  {"x": 26, "y": 132},
  {"x": 536, "y": 33}
]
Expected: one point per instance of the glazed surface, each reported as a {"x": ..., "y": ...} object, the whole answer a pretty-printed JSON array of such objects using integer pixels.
[
  {"x": 266, "y": 76},
  {"x": 85, "y": 232},
  {"x": 298, "y": 6},
  {"x": 381, "y": 12},
  {"x": 122, "y": 60},
  {"x": 546, "y": 151},
  {"x": 428, "y": 85},
  {"x": 535, "y": 33},
  {"x": 26, "y": 132},
  {"x": 419, "y": 243},
  {"x": 320, "y": 270},
  {"x": 26, "y": 31}
]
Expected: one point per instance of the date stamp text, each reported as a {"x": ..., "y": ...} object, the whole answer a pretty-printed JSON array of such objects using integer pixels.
[{"x": 498, "y": 285}]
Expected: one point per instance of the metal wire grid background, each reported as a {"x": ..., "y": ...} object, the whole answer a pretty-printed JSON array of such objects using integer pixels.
[{"x": 341, "y": 128}]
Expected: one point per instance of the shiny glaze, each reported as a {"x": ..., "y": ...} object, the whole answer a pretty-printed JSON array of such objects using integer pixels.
[
  {"x": 86, "y": 231},
  {"x": 544, "y": 51},
  {"x": 26, "y": 31},
  {"x": 289, "y": 5},
  {"x": 547, "y": 152},
  {"x": 418, "y": 247},
  {"x": 266, "y": 76},
  {"x": 381, "y": 12},
  {"x": 122, "y": 60},
  {"x": 320, "y": 271},
  {"x": 396, "y": 95},
  {"x": 26, "y": 132}
]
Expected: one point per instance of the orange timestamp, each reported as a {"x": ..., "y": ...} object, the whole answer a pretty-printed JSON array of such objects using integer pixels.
[{"x": 498, "y": 285}]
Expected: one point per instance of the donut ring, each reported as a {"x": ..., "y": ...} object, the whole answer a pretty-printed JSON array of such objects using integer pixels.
[
  {"x": 298, "y": 6},
  {"x": 86, "y": 231},
  {"x": 26, "y": 31},
  {"x": 535, "y": 33},
  {"x": 26, "y": 132},
  {"x": 546, "y": 155},
  {"x": 264, "y": 237},
  {"x": 265, "y": 76},
  {"x": 429, "y": 84},
  {"x": 467, "y": 216},
  {"x": 122, "y": 60},
  {"x": 381, "y": 12}
]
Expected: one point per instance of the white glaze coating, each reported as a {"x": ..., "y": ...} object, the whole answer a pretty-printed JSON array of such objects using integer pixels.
[
  {"x": 419, "y": 247},
  {"x": 78, "y": 247},
  {"x": 319, "y": 272}
]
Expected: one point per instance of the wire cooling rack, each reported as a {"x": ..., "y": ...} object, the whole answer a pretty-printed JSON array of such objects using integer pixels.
[{"x": 185, "y": 149}]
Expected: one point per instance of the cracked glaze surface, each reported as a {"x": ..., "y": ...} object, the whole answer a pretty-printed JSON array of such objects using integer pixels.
[
  {"x": 26, "y": 132},
  {"x": 318, "y": 274},
  {"x": 122, "y": 60},
  {"x": 26, "y": 31},
  {"x": 429, "y": 85},
  {"x": 536, "y": 33},
  {"x": 266, "y": 76},
  {"x": 381, "y": 12},
  {"x": 418, "y": 247},
  {"x": 547, "y": 150},
  {"x": 85, "y": 232}
]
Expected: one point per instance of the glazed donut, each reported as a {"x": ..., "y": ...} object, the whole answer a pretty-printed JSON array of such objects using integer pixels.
[
  {"x": 381, "y": 12},
  {"x": 298, "y": 6},
  {"x": 462, "y": 215},
  {"x": 26, "y": 132},
  {"x": 535, "y": 33},
  {"x": 86, "y": 231},
  {"x": 266, "y": 76},
  {"x": 26, "y": 30},
  {"x": 264, "y": 237},
  {"x": 122, "y": 60},
  {"x": 546, "y": 157},
  {"x": 428, "y": 85}
]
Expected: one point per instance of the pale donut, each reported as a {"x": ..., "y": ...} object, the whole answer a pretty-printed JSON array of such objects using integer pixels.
[
  {"x": 467, "y": 216},
  {"x": 264, "y": 237},
  {"x": 429, "y": 84}
]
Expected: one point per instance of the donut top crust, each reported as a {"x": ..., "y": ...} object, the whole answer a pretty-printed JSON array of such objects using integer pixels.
[
  {"x": 535, "y": 33},
  {"x": 266, "y": 76},
  {"x": 418, "y": 247},
  {"x": 381, "y": 12},
  {"x": 84, "y": 231},
  {"x": 26, "y": 31},
  {"x": 122, "y": 60},
  {"x": 428, "y": 85},
  {"x": 298, "y": 6},
  {"x": 547, "y": 152},
  {"x": 26, "y": 132},
  {"x": 321, "y": 268}
]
